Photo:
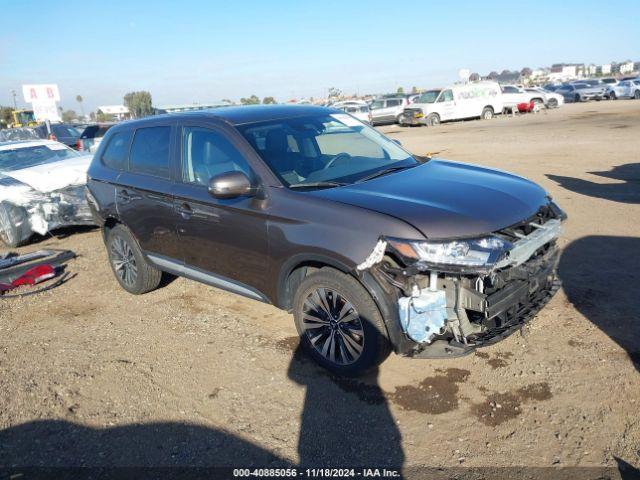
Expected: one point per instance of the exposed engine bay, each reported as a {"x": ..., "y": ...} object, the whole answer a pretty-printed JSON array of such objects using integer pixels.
[{"x": 448, "y": 310}]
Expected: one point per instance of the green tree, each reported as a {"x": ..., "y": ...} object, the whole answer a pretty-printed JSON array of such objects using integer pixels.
[
  {"x": 335, "y": 92},
  {"x": 104, "y": 117},
  {"x": 269, "y": 100},
  {"x": 79, "y": 99},
  {"x": 252, "y": 100},
  {"x": 6, "y": 116},
  {"x": 415, "y": 90},
  {"x": 400, "y": 90},
  {"x": 69, "y": 116},
  {"x": 92, "y": 116},
  {"x": 139, "y": 104}
]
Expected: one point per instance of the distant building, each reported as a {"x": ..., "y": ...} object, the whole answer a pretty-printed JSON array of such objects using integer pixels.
[
  {"x": 119, "y": 111},
  {"x": 591, "y": 70},
  {"x": 604, "y": 69},
  {"x": 566, "y": 71},
  {"x": 625, "y": 67}
]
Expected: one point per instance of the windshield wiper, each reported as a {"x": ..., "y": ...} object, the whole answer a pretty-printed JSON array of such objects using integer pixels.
[
  {"x": 384, "y": 171},
  {"x": 317, "y": 185}
]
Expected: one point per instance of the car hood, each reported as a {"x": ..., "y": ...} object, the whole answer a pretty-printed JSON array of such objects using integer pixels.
[
  {"x": 444, "y": 199},
  {"x": 55, "y": 175}
]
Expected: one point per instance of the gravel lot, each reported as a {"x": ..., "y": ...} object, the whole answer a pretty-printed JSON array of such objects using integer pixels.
[{"x": 191, "y": 375}]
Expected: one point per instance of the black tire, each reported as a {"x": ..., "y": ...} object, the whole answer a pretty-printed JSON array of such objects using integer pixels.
[
  {"x": 487, "y": 113},
  {"x": 612, "y": 95},
  {"x": 577, "y": 98},
  {"x": 552, "y": 103},
  {"x": 399, "y": 120},
  {"x": 636, "y": 94},
  {"x": 122, "y": 248},
  {"x": 433, "y": 119},
  {"x": 15, "y": 229},
  {"x": 353, "y": 353}
]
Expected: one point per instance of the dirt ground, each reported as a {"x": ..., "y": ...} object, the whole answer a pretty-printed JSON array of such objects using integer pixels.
[{"x": 191, "y": 375}]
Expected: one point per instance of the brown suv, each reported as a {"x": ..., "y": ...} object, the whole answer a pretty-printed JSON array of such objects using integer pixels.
[{"x": 372, "y": 249}]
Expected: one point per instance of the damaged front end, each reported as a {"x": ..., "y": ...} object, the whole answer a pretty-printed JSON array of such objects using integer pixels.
[
  {"x": 449, "y": 297},
  {"x": 24, "y": 210}
]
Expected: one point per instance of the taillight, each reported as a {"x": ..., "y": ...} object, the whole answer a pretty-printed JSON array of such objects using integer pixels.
[
  {"x": 53, "y": 137},
  {"x": 79, "y": 145}
]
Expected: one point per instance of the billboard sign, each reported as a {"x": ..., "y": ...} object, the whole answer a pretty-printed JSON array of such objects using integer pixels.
[
  {"x": 43, "y": 98},
  {"x": 41, "y": 93}
]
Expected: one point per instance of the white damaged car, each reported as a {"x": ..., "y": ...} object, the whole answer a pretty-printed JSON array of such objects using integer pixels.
[{"x": 41, "y": 188}]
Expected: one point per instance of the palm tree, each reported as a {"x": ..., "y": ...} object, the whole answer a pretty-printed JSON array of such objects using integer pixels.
[{"x": 79, "y": 100}]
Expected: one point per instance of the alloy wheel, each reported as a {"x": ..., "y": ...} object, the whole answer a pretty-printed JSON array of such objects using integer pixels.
[
  {"x": 333, "y": 326},
  {"x": 124, "y": 262}
]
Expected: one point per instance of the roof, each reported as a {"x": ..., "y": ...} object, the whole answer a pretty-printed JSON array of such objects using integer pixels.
[
  {"x": 247, "y": 114},
  {"x": 113, "y": 109}
]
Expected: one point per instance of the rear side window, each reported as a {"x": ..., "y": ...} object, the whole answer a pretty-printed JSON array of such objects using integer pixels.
[
  {"x": 394, "y": 103},
  {"x": 115, "y": 155},
  {"x": 64, "y": 131},
  {"x": 150, "y": 151}
]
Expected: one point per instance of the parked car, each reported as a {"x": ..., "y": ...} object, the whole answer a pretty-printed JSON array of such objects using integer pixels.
[
  {"x": 550, "y": 99},
  {"x": 41, "y": 188},
  {"x": 61, "y": 132},
  {"x": 457, "y": 102},
  {"x": 610, "y": 81},
  {"x": 513, "y": 96},
  {"x": 625, "y": 89},
  {"x": 581, "y": 92},
  {"x": 387, "y": 110},
  {"x": 92, "y": 136},
  {"x": 358, "y": 109},
  {"x": 370, "y": 247}
]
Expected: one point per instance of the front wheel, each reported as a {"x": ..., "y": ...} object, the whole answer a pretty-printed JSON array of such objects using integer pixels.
[
  {"x": 433, "y": 119},
  {"x": 339, "y": 324},
  {"x": 612, "y": 95},
  {"x": 636, "y": 94},
  {"x": 15, "y": 229},
  {"x": 577, "y": 98},
  {"x": 487, "y": 113},
  {"x": 131, "y": 269}
]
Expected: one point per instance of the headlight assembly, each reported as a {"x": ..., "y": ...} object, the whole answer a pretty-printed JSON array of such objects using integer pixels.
[{"x": 479, "y": 253}]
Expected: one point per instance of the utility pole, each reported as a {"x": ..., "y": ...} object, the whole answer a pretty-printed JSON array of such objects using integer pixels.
[{"x": 15, "y": 105}]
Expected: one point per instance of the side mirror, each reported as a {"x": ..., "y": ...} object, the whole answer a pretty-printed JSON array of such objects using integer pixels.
[
  {"x": 230, "y": 185},
  {"x": 396, "y": 141}
]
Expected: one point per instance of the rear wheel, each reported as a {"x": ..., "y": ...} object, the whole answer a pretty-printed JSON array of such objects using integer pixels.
[
  {"x": 131, "y": 269},
  {"x": 15, "y": 229},
  {"x": 552, "y": 103},
  {"x": 636, "y": 94},
  {"x": 612, "y": 95},
  {"x": 577, "y": 98},
  {"x": 487, "y": 113},
  {"x": 433, "y": 119},
  {"x": 339, "y": 324}
]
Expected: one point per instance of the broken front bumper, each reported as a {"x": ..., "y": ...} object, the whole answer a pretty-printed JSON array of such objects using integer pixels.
[{"x": 453, "y": 313}]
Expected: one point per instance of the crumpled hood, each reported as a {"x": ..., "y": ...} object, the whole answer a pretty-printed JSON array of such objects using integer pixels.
[
  {"x": 446, "y": 199},
  {"x": 53, "y": 176}
]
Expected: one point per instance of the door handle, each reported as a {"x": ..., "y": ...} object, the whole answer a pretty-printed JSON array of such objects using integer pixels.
[
  {"x": 185, "y": 211},
  {"x": 125, "y": 197}
]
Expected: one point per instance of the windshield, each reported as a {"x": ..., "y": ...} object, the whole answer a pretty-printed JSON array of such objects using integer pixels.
[
  {"x": 428, "y": 97},
  {"x": 24, "y": 157},
  {"x": 334, "y": 148}
]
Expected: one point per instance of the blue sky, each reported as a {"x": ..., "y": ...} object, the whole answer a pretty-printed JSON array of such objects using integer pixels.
[{"x": 201, "y": 51}]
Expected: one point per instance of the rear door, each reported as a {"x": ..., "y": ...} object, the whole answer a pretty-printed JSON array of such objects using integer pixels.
[
  {"x": 223, "y": 241},
  {"x": 144, "y": 194}
]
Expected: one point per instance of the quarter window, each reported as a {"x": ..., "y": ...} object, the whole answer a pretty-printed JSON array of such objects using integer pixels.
[
  {"x": 207, "y": 153},
  {"x": 150, "y": 151},
  {"x": 115, "y": 155}
]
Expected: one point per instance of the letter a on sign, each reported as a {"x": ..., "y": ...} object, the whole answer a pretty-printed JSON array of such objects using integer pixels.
[{"x": 33, "y": 94}]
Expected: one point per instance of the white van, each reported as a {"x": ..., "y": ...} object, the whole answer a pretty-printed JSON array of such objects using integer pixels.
[{"x": 470, "y": 100}]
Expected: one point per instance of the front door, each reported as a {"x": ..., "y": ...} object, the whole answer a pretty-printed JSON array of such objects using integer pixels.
[
  {"x": 224, "y": 241},
  {"x": 446, "y": 105}
]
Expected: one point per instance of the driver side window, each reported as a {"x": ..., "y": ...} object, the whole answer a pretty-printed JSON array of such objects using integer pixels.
[
  {"x": 446, "y": 96},
  {"x": 206, "y": 153}
]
